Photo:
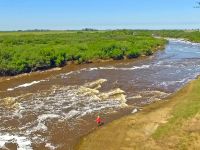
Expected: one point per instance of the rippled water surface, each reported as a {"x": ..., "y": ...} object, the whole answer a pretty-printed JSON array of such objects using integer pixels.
[{"x": 53, "y": 110}]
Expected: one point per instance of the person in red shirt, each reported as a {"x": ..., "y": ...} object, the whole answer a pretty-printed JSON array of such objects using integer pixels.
[{"x": 98, "y": 121}]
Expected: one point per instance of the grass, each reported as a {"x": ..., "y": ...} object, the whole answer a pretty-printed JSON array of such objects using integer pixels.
[
  {"x": 30, "y": 51},
  {"x": 170, "y": 124},
  {"x": 184, "y": 114}
]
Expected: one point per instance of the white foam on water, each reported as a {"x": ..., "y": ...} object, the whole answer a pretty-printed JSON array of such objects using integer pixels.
[
  {"x": 22, "y": 142},
  {"x": 135, "y": 97},
  {"x": 25, "y": 85},
  {"x": 64, "y": 104},
  {"x": 50, "y": 146},
  {"x": 162, "y": 64},
  {"x": 107, "y": 68},
  {"x": 91, "y": 69},
  {"x": 72, "y": 114},
  {"x": 141, "y": 67},
  {"x": 18, "y": 112},
  {"x": 152, "y": 96},
  {"x": 95, "y": 84},
  {"x": 180, "y": 40},
  {"x": 74, "y": 99},
  {"x": 124, "y": 69},
  {"x": 91, "y": 110},
  {"x": 171, "y": 83},
  {"x": 41, "y": 121},
  {"x": 66, "y": 75},
  {"x": 183, "y": 80}
]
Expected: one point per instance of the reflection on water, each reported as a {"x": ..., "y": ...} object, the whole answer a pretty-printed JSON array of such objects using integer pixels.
[{"x": 65, "y": 105}]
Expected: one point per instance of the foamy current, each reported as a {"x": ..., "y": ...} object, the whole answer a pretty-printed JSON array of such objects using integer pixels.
[
  {"x": 60, "y": 103},
  {"x": 25, "y": 85},
  {"x": 22, "y": 142}
]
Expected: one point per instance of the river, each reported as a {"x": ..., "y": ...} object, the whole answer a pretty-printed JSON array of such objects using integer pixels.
[{"x": 53, "y": 109}]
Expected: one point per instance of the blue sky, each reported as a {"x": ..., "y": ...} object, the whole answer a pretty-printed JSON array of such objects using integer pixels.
[{"x": 100, "y": 14}]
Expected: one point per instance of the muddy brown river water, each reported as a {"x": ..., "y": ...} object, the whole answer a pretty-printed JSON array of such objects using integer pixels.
[{"x": 53, "y": 109}]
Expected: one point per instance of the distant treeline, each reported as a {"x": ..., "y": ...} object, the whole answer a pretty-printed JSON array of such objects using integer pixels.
[
  {"x": 22, "y": 52},
  {"x": 47, "y": 30}
]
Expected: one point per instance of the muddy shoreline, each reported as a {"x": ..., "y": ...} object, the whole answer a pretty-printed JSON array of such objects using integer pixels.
[
  {"x": 38, "y": 75},
  {"x": 72, "y": 65}
]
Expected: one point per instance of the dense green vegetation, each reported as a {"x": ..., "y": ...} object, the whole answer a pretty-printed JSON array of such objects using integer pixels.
[
  {"x": 30, "y": 51},
  {"x": 190, "y": 35}
]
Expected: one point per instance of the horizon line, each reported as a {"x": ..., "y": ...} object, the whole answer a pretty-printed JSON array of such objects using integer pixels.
[{"x": 93, "y": 29}]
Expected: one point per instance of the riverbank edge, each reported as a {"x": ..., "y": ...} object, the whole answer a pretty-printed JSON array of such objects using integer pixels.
[{"x": 151, "y": 128}]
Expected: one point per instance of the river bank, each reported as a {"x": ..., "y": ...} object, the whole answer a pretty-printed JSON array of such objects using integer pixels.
[
  {"x": 9, "y": 81},
  {"x": 172, "y": 124}
]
